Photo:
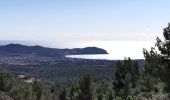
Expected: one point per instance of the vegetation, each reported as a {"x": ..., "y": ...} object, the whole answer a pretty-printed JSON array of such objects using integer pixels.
[
  {"x": 65, "y": 72},
  {"x": 126, "y": 77},
  {"x": 129, "y": 81}
]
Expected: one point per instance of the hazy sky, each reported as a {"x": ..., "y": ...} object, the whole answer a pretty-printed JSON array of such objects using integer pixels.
[{"x": 67, "y": 21}]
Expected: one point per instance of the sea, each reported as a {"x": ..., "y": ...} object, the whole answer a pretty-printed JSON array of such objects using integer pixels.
[{"x": 118, "y": 50}]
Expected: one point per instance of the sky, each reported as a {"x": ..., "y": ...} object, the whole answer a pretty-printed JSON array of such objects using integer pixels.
[{"x": 65, "y": 22}]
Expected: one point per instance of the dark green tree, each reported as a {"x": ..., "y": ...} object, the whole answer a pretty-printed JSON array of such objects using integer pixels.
[
  {"x": 158, "y": 63},
  {"x": 38, "y": 89},
  {"x": 84, "y": 88},
  {"x": 126, "y": 76},
  {"x": 100, "y": 96},
  {"x": 4, "y": 78},
  {"x": 28, "y": 93},
  {"x": 164, "y": 48},
  {"x": 146, "y": 83},
  {"x": 71, "y": 92},
  {"x": 120, "y": 80},
  {"x": 152, "y": 63},
  {"x": 63, "y": 94},
  {"x": 109, "y": 95}
]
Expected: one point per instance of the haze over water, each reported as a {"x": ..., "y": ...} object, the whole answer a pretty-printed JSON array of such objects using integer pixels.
[{"x": 118, "y": 50}]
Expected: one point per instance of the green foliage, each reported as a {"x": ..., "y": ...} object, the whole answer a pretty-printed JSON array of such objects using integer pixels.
[
  {"x": 130, "y": 98},
  {"x": 153, "y": 63},
  {"x": 100, "y": 96},
  {"x": 38, "y": 89},
  {"x": 109, "y": 95},
  {"x": 15, "y": 88},
  {"x": 158, "y": 63},
  {"x": 84, "y": 88},
  {"x": 146, "y": 83},
  {"x": 5, "y": 96},
  {"x": 63, "y": 94},
  {"x": 126, "y": 75},
  {"x": 119, "y": 98},
  {"x": 71, "y": 92},
  {"x": 5, "y": 84},
  {"x": 164, "y": 48}
]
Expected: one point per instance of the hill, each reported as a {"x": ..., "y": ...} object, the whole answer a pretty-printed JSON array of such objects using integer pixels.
[{"x": 18, "y": 49}]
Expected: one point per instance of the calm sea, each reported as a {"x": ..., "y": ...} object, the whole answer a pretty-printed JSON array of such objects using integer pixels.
[{"x": 118, "y": 50}]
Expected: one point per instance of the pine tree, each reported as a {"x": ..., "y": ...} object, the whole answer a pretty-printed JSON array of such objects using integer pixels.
[
  {"x": 38, "y": 89},
  {"x": 100, "y": 96},
  {"x": 71, "y": 92},
  {"x": 126, "y": 76},
  {"x": 119, "y": 76},
  {"x": 85, "y": 89},
  {"x": 164, "y": 48},
  {"x": 109, "y": 95},
  {"x": 120, "y": 81},
  {"x": 63, "y": 94},
  {"x": 158, "y": 63}
]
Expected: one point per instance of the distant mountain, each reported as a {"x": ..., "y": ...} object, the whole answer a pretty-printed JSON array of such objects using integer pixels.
[{"x": 18, "y": 49}]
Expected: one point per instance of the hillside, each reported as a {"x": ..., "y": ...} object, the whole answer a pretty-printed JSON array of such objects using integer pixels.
[{"x": 18, "y": 49}]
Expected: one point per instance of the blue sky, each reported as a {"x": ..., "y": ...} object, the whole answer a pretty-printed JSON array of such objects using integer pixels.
[{"x": 61, "y": 21}]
